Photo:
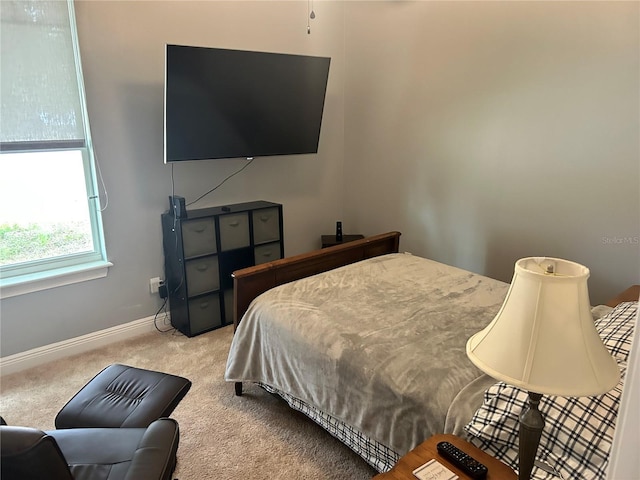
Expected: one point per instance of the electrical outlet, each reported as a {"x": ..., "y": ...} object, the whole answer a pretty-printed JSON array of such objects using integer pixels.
[{"x": 154, "y": 284}]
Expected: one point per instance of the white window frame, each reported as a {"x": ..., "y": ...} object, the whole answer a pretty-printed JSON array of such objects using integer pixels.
[{"x": 31, "y": 276}]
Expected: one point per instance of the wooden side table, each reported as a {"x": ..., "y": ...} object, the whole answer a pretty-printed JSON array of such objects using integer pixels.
[
  {"x": 330, "y": 240},
  {"x": 403, "y": 470}
]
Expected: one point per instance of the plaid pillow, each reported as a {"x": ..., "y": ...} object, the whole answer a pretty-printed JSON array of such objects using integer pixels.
[
  {"x": 576, "y": 439},
  {"x": 616, "y": 329}
]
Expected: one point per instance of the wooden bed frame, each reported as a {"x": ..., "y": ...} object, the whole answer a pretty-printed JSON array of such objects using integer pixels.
[
  {"x": 250, "y": 282},
  {"x": 631, "y": 294}
]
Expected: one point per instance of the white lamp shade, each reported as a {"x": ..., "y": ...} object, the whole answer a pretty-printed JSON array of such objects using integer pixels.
[{"x": 544, "y": 339}]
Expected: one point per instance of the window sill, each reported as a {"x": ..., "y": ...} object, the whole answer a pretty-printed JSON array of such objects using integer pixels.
[{"x": 11, "y": 287}]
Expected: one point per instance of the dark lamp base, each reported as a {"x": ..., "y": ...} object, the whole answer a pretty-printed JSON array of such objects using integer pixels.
[{"x": 531, "y": 426}]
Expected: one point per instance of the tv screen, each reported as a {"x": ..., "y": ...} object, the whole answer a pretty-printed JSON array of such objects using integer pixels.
[{"x": 223, "y": 103}]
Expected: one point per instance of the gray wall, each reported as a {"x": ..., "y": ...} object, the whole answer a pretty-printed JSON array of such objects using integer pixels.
[
  {"x": 490, "y": 131},
  {"x": 483, "y": 131}
]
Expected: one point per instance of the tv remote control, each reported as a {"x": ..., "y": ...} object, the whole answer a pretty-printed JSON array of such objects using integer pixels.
[{"x": 464, "y": 462}]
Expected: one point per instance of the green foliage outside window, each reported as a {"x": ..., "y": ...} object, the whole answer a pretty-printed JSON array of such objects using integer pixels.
[{"x": 23, "y": 243}]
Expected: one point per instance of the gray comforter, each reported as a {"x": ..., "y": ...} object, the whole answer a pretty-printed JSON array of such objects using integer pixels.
[{"x": 379, "y": 344}]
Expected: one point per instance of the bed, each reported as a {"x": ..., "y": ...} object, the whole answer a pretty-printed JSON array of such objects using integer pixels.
[{"x": 370, "y": 344}]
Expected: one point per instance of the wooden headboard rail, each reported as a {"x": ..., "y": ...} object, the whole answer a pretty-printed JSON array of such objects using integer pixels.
[
  {"x": 250, "y": 282},
  {"x": 631, "y": 294}
]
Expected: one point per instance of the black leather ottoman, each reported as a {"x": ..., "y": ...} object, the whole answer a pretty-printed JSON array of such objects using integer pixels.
[{"x": 121, "y": 396}]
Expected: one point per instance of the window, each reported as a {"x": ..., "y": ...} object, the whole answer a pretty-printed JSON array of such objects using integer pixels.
[{"x": 50, "y": 222}]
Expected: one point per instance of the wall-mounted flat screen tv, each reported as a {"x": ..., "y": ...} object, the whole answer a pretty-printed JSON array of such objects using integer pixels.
[{"x": 222, "y": 103}]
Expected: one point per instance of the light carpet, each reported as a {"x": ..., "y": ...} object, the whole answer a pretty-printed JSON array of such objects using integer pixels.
[{"x": 256, "y": 436}]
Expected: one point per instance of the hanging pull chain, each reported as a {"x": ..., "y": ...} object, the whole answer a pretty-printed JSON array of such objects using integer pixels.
[{"x": 311, "y": 14}]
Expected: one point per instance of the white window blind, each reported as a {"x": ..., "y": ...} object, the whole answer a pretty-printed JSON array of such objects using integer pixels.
[{"x": 39, "y": 90}]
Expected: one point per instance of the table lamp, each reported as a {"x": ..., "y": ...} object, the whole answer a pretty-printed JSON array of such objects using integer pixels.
[{"x": 544, "y": 340}]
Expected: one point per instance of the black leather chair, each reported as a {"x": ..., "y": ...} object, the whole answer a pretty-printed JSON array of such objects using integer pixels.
[
  {"x": 90, "y": 453},
  {"x": 115, "y": 427}
]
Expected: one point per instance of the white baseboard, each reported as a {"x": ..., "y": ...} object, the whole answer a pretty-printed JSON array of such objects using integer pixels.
[{"x": 38, "y": 356}]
